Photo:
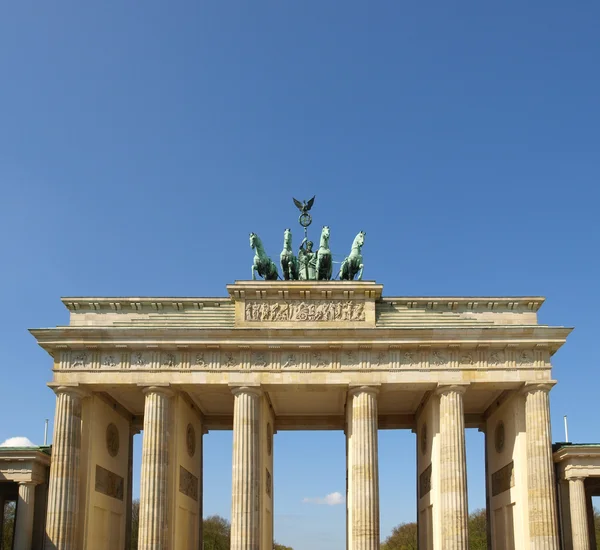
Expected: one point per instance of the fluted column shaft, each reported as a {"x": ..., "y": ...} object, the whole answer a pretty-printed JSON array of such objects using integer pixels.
[
  {"x": 153, "y": 528},
  {"x": 579, "y": 519},
  {"x": 63, "y": 492},
  {"x": 453, "y": 470},
  {"x": 245, "y": 487},
  {"x": 364, "y": 472},
  {"x": 543, "y": 531},
  {"x": 24, "y": 519}
]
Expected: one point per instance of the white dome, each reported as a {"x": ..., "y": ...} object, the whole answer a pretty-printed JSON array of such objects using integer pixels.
[{"x": 17, "y": 442}]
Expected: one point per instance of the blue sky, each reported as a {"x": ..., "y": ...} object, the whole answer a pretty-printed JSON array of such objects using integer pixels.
[{"x": 141, "y": 143}]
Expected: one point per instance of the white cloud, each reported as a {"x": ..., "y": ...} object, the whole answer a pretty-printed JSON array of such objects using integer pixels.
[
  {"x": 331, "y": 499},
  {"x": 17, "y": 442}
]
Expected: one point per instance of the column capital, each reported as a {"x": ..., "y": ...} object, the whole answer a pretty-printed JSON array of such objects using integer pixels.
[
  {"x": 252, "y": 390},
  {"x": 370, "y": 388},
  {"x": 538, "y": 386},
  {"x": 164, "y": 389},
  {"x": 577, "y": 478},
  {"x": 74, "y": 390},
  {"x": 32, "y": 483},
  {"x": 459, "y": 387}
]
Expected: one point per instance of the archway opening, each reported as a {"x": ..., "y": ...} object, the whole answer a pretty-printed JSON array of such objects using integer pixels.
[{"x": 310, "y": 489}]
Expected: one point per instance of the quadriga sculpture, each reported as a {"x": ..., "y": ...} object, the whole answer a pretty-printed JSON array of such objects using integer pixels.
[
  {"x": 353, "y": 263},
  {"x": 263, "y": 265}
]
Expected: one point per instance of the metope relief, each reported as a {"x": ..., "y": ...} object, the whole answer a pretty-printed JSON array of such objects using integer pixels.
[
  {"x": 305, "y": 311},
  {"x": 109, "y": 361},
  {"x": 169, "y": 360},
  {"x": 260, "y": 360}
]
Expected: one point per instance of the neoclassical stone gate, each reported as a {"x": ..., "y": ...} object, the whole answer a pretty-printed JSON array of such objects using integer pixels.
[{"x": 298, "y": 355}]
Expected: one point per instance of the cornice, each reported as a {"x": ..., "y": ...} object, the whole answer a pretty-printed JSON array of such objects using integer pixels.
[
  {"x": 252, "y": 289},
  {"x": 65, "y": 338},
  {"x": 575, "y": 452}
]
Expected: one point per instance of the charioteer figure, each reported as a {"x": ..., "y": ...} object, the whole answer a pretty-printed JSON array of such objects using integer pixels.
[{"x": 307, "y": 260}]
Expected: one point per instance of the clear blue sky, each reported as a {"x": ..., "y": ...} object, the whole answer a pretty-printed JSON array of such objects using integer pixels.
[{"x": 140, "y": 143}]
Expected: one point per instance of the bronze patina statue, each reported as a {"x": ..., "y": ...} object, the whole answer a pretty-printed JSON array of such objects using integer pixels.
[
  {"x": 309, "y": 265},
  {"x": 289, "y": 262},
  {"x": 353, "y": 263},
  {"x": 307, "y": 261},
  {"x": 263, "y": 265}
]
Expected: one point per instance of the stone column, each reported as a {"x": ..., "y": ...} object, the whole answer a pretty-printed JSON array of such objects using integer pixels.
[
  {"x": 154, "y": 494},
  {"x": 454, "y": 512},
  {"x": 245, "y": 501},
  {"x": 579, "y": 520},
  {"x": 24, "y": 519},
  {"x": 543, "y": 531},
  {"x": 363, "y": 476},
  {"x": 63, "y": 493}
]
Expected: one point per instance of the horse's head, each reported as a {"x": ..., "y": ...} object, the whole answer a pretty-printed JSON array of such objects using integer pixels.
[
  {"x": 325, "y": 232},
  {"x": 287, "y": 237},
  {"x": 359, "y": 240},
  {"x": 253, "y": 240}
]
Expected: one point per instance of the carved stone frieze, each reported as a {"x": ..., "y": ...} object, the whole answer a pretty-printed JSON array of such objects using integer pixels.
[
  {"x": 273, "y": 358},
  {"x": 304, "y": 311}
]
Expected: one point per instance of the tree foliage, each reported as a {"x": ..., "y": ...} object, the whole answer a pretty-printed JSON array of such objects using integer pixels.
[
  {"x": 404, "y": 536},
  {"x": 597, "y": 527},
  {"x": 216, "y": 532},
  {"x": 478, "y": 530},
  {"x": 9, "y": 524}
]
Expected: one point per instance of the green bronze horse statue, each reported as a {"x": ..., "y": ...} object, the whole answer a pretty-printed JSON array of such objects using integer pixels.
[
  {"x": 287, "y": 260},
  {"x": 263, "y": 265},
  {"x": 324, "y": 265},
  {"x": 353, "y": 263}
]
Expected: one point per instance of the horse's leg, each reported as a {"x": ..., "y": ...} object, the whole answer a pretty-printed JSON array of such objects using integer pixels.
[
  {"x": 254, "y": 272},
  {"x": 361, "y": 267},
  {"x": 318, "y": 268}
]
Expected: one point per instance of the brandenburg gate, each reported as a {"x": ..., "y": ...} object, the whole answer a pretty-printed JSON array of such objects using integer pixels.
[
  {"x": 298, "y": 355},
  {"x": 302, "y": 353}
]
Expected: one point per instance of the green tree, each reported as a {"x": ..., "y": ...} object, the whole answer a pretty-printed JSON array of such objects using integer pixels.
[
  {"x": 478, "y": 530},
  {"x": 135, "y": 523},
  {"x": 216, "y": 533},
  {"x": 403, "y": 537},
  {"x": 281, "y": 547},
  {"x": 597, "y": 527},
  {"x": 9, "y": 525}
]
